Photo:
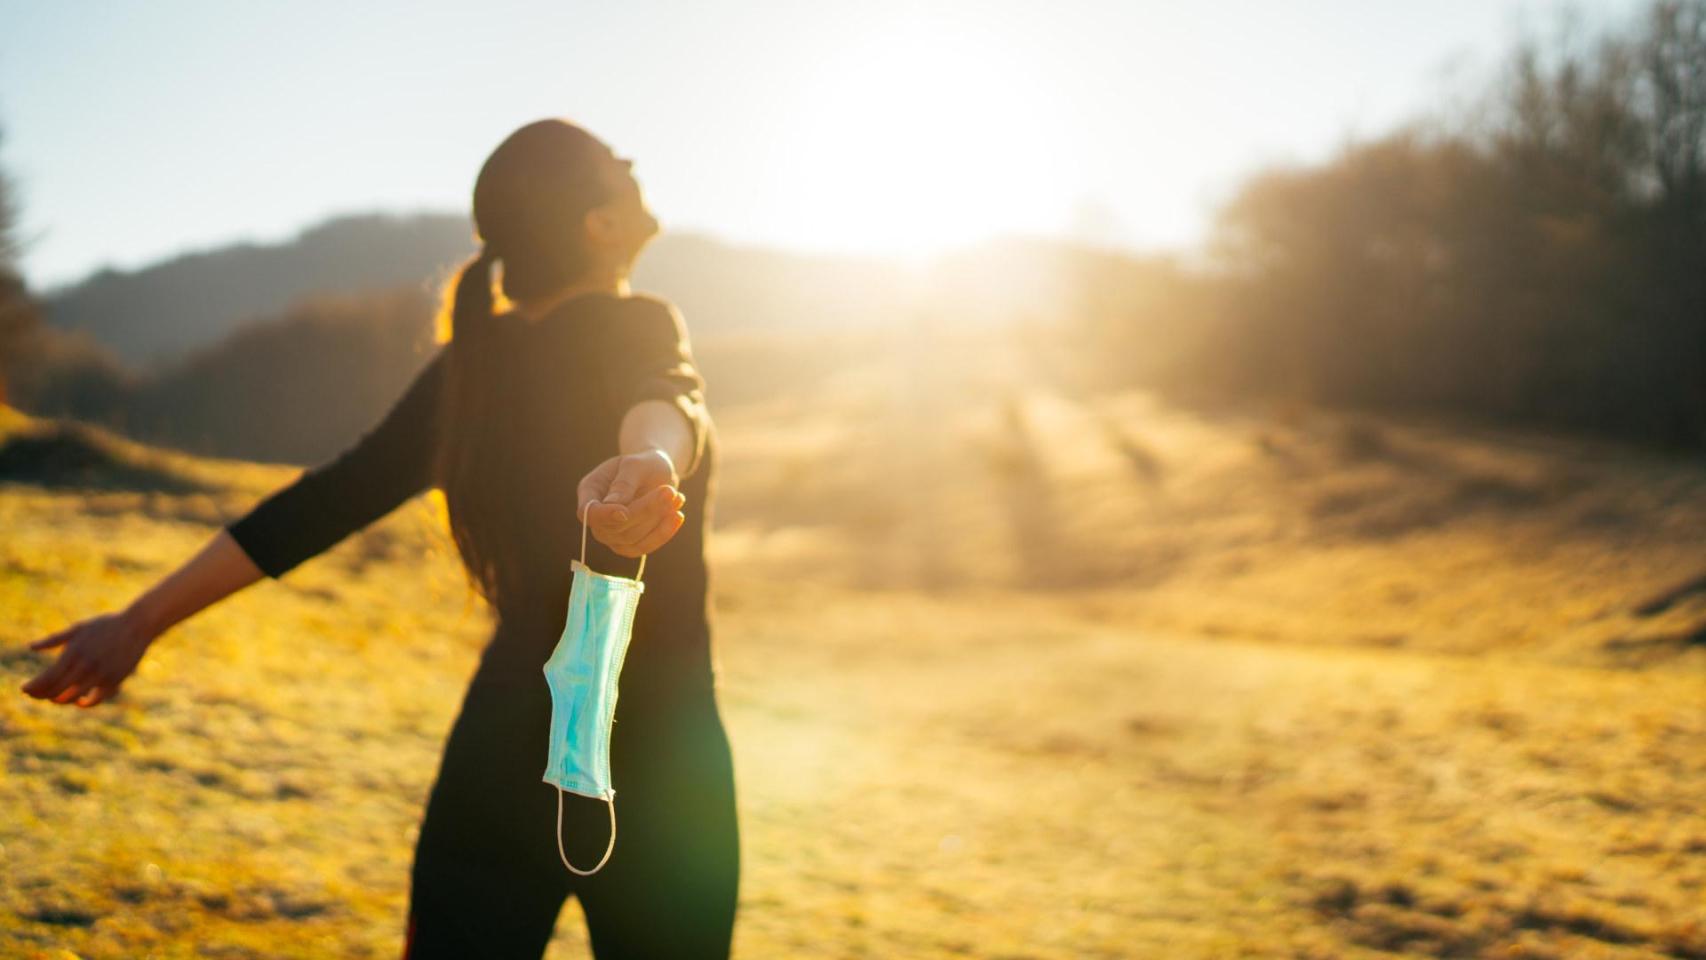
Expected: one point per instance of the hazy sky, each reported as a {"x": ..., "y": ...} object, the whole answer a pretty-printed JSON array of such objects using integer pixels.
[{"x": 137, "y": 130}]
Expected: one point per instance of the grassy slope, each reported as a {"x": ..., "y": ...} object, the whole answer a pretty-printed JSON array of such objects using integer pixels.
[{"x": 1228, "y": 713}]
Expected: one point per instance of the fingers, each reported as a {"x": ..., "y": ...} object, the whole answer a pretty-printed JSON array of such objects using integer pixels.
[
  {"x": 71, "y": 692},
  {"x": 626, "y": 484},
  {"x": 644, "y": 513},
  {"x": 69, "y": 677},
  {"x": 612, "y": 521},
  {"x": 51, "y": 681},
  {"x": 85, "y": 671},
  {"x": 623, "y": 480},
  {"x": 660, "y": 534},
  {"x": 641, "y": 517},
  {"x": 595, "y": 485},
  {"x": 638, "y": 474},
  {"x": 53, "y": 640},
  {"x": 81, "y": 683},
  {"x": 650, "y": 540},
  {"x": 100, "y": 692},
  {"x": 81, "y": 677}
]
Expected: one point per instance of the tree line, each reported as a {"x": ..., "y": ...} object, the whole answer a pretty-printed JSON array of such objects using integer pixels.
[{"x": 1538, "y": 258}]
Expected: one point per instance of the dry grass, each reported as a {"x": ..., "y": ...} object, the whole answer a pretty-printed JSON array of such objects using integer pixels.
[{"x": 1009, "y": 673}]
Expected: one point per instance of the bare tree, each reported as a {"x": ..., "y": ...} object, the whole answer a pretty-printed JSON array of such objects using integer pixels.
[
  {"x": 1672, "y": 91},
  {"x": 18, "y": 320}
]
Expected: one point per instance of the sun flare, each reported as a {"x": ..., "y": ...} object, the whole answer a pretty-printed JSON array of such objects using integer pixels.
[{"x": 921, "y": 138}]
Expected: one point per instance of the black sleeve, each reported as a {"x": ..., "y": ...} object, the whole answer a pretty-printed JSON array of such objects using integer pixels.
[
  {"x": 651, "y": 360},
  {"x": 389, "y": 464}
]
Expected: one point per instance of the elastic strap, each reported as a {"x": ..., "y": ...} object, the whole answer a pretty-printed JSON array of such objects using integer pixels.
[
  {"x": 607, "y": 849},
  {"x": 586, "y": 523}
]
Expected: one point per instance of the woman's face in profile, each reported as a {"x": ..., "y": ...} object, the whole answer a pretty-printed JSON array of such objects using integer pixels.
[{"x": 626, "y": 220}]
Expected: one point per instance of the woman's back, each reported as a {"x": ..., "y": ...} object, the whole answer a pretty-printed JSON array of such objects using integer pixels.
[
  {"x": 576, "y": 371},
  {"x": 565, "y": 380}
]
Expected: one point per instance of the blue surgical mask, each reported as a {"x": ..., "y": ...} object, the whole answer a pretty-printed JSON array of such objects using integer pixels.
[{"x": 582, "y": 673}]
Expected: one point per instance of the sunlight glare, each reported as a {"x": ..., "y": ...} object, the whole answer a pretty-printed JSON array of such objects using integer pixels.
[{"x": 920, "y": 139}]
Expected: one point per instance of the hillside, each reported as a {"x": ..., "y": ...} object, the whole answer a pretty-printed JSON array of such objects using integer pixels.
[
  {"x": 154, "y": 316},
  {"x": 1009, "y": 671}
]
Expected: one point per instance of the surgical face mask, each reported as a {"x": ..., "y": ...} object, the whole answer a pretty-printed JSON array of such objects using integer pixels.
[{"x": 582, "y": 673}]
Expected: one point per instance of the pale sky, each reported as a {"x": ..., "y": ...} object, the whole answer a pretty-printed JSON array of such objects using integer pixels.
[{"x": 135, "y": 131}]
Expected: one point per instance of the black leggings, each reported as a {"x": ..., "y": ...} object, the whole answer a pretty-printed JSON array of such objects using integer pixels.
[{"x": 488, "y": 881}]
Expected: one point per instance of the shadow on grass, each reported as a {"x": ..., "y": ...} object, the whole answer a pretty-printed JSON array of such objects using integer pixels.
[{"x": 71, "y": 455}]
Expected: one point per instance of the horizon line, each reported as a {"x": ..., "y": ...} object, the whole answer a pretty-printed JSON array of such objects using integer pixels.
[{"x": 46, "y": 289}]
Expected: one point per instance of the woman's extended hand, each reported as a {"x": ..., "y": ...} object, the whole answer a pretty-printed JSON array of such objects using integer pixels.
[
  {"x": 638, "y": 507},
  {"x": 99, "y": 654}
]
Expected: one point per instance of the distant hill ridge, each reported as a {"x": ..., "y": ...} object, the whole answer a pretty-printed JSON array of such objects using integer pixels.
[
  {"x": 151, "y": 317},
  {"x": 156, "y": 315}
]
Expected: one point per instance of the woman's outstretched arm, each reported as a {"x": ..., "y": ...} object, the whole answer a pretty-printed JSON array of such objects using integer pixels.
[
  {"x": 324, "y": 504},
  {"x": 651, "y": 376},
  {"x": 100, "y": 653},
  {"x": 373, "y": 476}
]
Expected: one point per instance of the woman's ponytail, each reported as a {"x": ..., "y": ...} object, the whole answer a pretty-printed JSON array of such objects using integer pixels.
[
  {"x": 466, "y": 322},
  {"x": 471, "y": 305}
]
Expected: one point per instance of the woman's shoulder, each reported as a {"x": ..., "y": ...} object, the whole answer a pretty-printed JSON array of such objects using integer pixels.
[
  {"x": 603, "y": 304},
  {"x": 610, "y": 318},
  {"x": 648, "y": 317},
  {"x": 651, "y": 304}
]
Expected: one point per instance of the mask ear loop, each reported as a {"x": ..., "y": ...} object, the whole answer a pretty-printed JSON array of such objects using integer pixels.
[
  {"x": 607, "y": 850},
  {"x": 584, "y": 524}
]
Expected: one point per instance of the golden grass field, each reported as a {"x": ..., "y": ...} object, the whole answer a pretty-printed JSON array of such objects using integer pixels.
[{"x": 1010, "y": 672}]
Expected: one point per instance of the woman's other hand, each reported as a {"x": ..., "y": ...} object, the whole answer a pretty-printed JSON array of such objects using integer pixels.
[
  {"x": 631, "y": 502},
  {"x": 100, "y": 653}
]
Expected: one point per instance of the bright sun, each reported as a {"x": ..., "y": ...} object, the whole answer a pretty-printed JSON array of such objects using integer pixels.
[{"x": 919, "y": 139}]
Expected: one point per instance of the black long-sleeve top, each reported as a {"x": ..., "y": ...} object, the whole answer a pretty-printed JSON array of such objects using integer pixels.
[{"x": 569, "y": 377}]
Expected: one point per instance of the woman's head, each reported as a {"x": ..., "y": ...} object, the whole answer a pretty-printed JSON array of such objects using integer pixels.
[{"x": 555, "y": 207}]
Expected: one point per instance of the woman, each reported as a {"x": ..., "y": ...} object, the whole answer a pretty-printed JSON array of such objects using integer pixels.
[{"x": 579, "y": 384}]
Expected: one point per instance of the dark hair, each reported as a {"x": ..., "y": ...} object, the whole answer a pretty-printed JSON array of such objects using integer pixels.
[{"x": 530, "y": 200}]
